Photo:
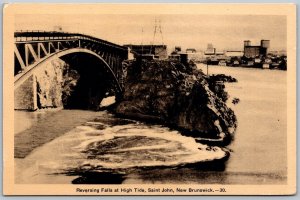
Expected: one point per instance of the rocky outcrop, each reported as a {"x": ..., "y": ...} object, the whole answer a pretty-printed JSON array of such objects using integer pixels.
[
  {"x": 70, "y": 80},
  {"x": 49, "y": 80},
  {"x": 55, "y": 82},
  {"x": 178, "y": 95},
  {"x": 222, "y": 77}
]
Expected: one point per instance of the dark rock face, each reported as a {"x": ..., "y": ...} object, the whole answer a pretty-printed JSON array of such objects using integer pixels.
[
  {"x": 179, "y": 95},
  {"x": 70, "y": 77},
  {"x": 80, "y": 84}
]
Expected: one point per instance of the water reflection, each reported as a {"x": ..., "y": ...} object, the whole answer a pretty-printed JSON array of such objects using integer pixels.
[{"x": 24, "y": 120}]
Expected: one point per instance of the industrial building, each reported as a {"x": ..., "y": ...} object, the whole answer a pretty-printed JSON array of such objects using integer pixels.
[
  {"x": 191, "y": 50},
  {"x": 256, "y": 51},
  {"x": 159, "y": 51},
  {"x": 234, "y": 53},
  {"x": 210, "y": 50}
]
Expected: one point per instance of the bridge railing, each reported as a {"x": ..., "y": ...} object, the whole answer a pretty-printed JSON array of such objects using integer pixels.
[{"x": 38, "y": 36}]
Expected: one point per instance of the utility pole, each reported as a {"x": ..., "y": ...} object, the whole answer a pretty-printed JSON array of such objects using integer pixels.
[
  {"x": 206, "y": 66},
  {"x": 142, "y": 40}
]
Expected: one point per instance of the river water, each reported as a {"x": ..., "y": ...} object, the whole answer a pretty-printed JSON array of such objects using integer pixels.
[{"x": 75, "y": 146}]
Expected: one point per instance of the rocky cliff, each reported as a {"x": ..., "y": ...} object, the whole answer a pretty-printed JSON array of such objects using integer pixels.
[
  {"x": 55, "y": 82},
  {"x": 178, "y": 95}
]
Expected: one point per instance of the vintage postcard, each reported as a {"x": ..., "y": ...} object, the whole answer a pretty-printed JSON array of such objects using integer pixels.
[{"x": 149, "y": 99}]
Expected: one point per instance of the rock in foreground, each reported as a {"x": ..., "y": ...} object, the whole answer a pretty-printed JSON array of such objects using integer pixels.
[{"x": 178, "y": 95}]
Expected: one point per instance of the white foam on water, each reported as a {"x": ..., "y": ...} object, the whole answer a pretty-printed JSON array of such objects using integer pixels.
[{"x": 69, "y": 150}]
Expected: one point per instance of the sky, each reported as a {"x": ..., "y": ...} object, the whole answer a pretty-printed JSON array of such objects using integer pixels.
[{"x": 225, "y": 32}]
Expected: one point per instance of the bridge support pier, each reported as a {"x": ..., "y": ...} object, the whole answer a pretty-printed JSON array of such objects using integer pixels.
[
  {"x": 25, "y": 96},
  {"x": 42, "y": 88}
]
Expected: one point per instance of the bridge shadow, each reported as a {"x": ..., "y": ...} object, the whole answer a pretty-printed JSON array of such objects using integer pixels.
[{"x": 94, "y": 82}]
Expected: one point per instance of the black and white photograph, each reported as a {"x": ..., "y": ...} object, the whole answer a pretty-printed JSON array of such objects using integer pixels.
[{"x": 149, "y": 99}]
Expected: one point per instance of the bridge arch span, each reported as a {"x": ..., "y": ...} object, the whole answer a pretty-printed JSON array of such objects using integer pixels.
[
  {"x": 99, "y": 64},
  {"x": 20, "y": 78}
]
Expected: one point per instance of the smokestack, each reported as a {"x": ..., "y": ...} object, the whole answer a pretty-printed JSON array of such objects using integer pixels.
[{"x": 265, "y": 43}]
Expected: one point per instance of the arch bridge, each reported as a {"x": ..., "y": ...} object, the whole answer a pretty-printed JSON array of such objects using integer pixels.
[{"x": 34, "y": 48}]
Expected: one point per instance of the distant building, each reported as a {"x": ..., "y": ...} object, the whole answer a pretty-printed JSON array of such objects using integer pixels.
[
  {"x": 234, "y": 53},
  {"x": 159, "y": 51},
  {"x": 219, "y": 53},
  {"x": 181, "y": 57},
  {"x": 174, "y": 57},
  {"x": 191, "y": 50},
  {"x": 184, "y": 57},
  {"x": 256, "y": 51},
  {"x": 278, "y": 53},
  {"x": 210, "y": 50},
  {"x": 177, "y": 49}
]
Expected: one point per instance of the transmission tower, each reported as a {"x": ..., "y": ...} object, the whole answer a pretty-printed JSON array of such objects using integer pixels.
[{"x": 157, "y": 28}]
